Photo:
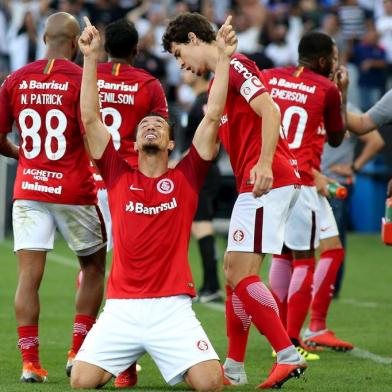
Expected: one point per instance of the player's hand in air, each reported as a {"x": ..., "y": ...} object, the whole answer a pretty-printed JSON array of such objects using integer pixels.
[
  {"x": 261, "y": 178},
  {"x": 226, "y": 38},
  {"x": 341, "y": 78},
  {"x": 89, "y": 41}
]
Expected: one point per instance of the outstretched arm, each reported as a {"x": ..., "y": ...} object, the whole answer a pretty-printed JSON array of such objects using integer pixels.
[
  {"x": 205, "y": 138},
  {"x": 97, "y": 135}
]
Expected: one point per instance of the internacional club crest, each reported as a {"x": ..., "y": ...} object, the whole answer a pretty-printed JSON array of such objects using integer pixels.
[
  {"x": 165, "y": 186},
  {"x": 238, "y": 236},
  {"x": 202, "y": 345}
]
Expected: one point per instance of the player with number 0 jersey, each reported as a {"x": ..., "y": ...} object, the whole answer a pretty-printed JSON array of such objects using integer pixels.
[{"x": 307, "y": 98}]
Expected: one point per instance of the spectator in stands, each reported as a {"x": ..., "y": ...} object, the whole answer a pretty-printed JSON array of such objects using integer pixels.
[{"x": 370, "y": 59}]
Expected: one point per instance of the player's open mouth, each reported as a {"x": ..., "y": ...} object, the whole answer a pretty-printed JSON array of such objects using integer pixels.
[{"x": 150, "y": 136}]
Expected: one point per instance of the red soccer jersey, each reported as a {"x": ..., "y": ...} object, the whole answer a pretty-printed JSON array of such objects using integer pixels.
[
  {"x": 152, "y": 220},
  {"x": 305, "y": 99},
  {"x": 127, "y": 94},
  {"x": 240, "y": 129},
  {"x": 43, "y": 100}
]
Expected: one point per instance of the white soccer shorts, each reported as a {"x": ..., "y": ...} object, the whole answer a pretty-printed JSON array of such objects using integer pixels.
[
  {"x": 103, "y": 205},
  {"x": 35, "y": 222},
  {"x": 328, "y": 226},
  {"x": 166, "y": 328},
  {"x": 257, "y": 225},
  {"x": 303, "y": 224}
]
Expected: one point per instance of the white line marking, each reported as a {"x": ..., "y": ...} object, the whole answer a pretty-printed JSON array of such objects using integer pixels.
[
  {"x": 359, "y": 304},
  {"x": 360, "y": 353},
  {"x": 356, "y": 352}
]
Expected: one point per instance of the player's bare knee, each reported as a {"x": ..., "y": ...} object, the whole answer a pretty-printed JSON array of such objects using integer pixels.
[
  {"x": 212, "y": 383},
  {"x": 205, "y": 376}
]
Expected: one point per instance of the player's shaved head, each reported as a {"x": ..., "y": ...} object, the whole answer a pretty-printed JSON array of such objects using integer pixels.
[
  {"x": 61, "y": 35},
  {"x": 61, "y": 27}
]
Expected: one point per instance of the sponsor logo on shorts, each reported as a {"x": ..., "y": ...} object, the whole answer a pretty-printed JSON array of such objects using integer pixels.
[
  {"x": 165, "y": 186},
  {"x": 202, "y": 345},
  {"x": 140, "y": 208},
  {"x": 238, "y": 236}
]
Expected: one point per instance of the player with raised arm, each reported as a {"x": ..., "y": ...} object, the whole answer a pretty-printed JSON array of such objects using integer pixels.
[
  {"x": 148, "y": 307},
  {"x": 54, "y": 187},
  {"x": 307, "y": 99},
  {"x": 267, "y": 183}
]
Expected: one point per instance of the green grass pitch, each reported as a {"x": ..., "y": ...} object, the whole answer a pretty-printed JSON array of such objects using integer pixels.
[{"x": 362, "y": 315}]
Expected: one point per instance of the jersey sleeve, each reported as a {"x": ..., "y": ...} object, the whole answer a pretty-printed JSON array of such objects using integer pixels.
[
  {"x": 111, "y": 166},
  {"x": 194, "y": 168},
  {"x": 381, "y": 113},
  {"x": 158, "y": 99},
  {"x": 246, "y": 78},
  {"x": 6, "y": 116},
  {"x": 333, "y": 120}
]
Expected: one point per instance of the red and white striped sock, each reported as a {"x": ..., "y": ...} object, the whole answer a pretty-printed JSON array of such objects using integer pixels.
[
  {"x": 82, "y": 324},
  {"x": 28, "y": 344},
  {"x": 260, "y": 305},
  {"x": 323, "y": 287},
  {"x": 237, "y": 326},
  {"x": 279, "y": 281},
  {"x": 300, "y": 295}
]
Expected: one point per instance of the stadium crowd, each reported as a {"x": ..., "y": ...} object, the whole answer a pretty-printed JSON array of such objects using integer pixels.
[{"x": 276, "y": 187}]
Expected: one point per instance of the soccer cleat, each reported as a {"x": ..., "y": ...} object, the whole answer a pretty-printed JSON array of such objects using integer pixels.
[
  {"x": 280, "y": 373},
  {"x": 307, "y": 355},
  {"x": 234, "y": 375},
  {"x": 205, "y": 296},
  {"x": 30, "y": 373},
  {"x": 128, "y": 378},
  {"x": 310, "y": 348},
  {"x": 326, "y": 338},
  {"x": 70, "y": 360}
]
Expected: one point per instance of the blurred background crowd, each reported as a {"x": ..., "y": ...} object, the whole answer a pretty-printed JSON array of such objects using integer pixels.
[{"x": 268, "y": 32}]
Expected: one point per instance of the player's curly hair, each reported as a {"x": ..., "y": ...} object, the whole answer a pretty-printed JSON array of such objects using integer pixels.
[
  {"x": 179, "y": 28},
  {"x": 314, "y": 45},
  {"x": 121, "y": 38}
]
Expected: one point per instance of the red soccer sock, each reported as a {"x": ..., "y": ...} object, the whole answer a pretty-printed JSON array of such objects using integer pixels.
[
  {"x": 82, "y": 324},
  {"x": 323, "y": 287},
  {"x": 279, "y": 281},
  {"x": 28, "y": 344},
  {"x": 300, "y": 295},
  {"x": 237, "y": 326},
  {"x": 260, "y": 305}
]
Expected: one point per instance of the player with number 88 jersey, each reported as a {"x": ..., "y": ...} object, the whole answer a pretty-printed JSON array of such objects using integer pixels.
[{"x": 54, "y": 187}]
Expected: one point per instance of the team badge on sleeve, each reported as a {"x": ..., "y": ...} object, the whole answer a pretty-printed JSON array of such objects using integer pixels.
[{"x": 250, "y": 87}]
